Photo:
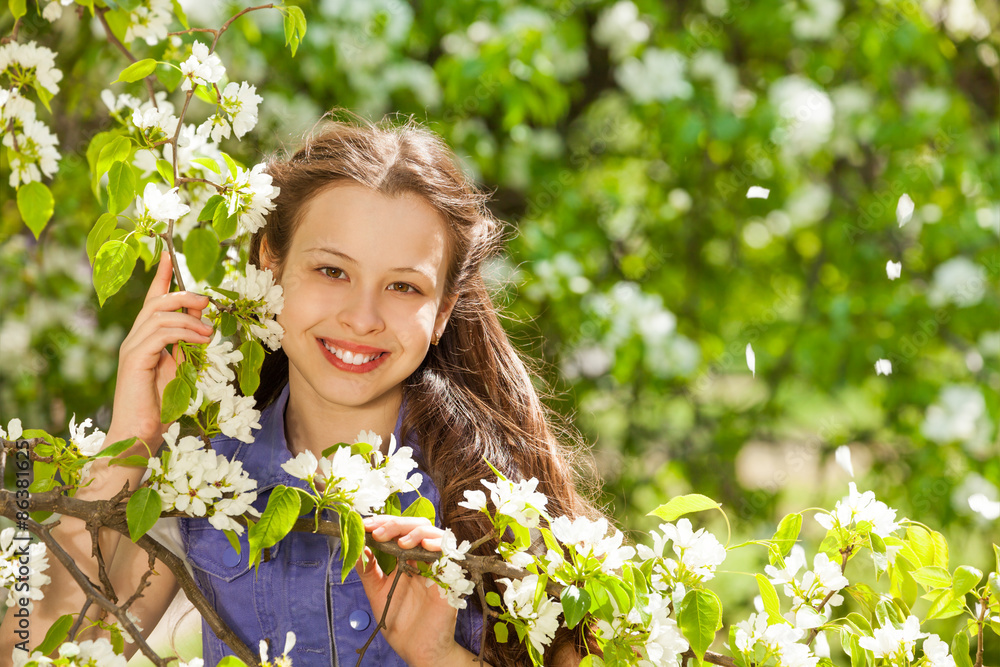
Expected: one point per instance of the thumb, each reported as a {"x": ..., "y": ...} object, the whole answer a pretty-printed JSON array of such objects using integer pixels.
[{"x": 370, "y": 572}]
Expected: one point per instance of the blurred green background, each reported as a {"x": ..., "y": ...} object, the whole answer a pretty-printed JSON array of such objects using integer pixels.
[{"x": 620, "y": 139}]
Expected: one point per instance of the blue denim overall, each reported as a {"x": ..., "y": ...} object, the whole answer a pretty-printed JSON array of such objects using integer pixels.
[{"x": 299, "y": 587}]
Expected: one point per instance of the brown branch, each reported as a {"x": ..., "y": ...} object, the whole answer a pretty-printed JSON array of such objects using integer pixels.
[
  {"x": 983, "y": 605},
  {"x": 482, "y": 603},
  {"x": 13, "y": 33},
  {"x": 381, "y": 621},
  {"x": 100, "y": 12},
  {"x": 713, "y": 658},
  {"x": 845, "y": 555},
  {"x": 102, "y": 571},
  {"x": 111, "y": 514},
  {"x": 199, "y": 180},
  {"x": 225, "y": 26},
  {"x": 92, "y": 593},
  {"x": 143, "y": 583},
  {"x": 79, "y": 619}
]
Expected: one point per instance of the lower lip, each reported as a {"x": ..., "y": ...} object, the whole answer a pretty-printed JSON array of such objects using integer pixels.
[{"x": 351, "y": 368}]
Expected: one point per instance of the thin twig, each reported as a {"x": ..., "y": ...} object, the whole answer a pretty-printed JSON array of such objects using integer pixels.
[
  {"x": 91, "y": 591},
  {"x": 101, "y": 11},
  {"x": 983, "y": 605},
  {"x": 225, "y": 26},
  {"x": 482, "y": 603},
  {"x": 381, "y": 621},
  {"x": 79, "y": 620},
  {"x": 143, "y": 583},
  {"x": 13, "y": 33}
]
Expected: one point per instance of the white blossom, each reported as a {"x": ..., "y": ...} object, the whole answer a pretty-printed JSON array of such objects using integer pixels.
[
  {"x": 201, "y": 68},
  {"x": 893, "y": 269},
  {"x": 857, "y": 507},
  {"x": 14, "y": 546},
  {"x": 891, "y": 642},
  {"x": 843, "y": 457},
  {"x": 620, "y": 29},
  {"x": 14, "y": 429},
  {"x": 542, "y": 622},
  {"x": 883, "y": 367},
  {"x": 937, "y": 652},
  {"x": 474, "y": 500},
  {"x": 149, "y": 21},
  {"x": 904, "y": 210},
  {"x": 35, "y": 153},
  {"x": 160, "y": 206},
  {"x": 303, "y": 466},
  {"x": 590, "y": 538},
  {"x": 200, "y": 482},
  {"x": 249, "y": 195},
  {"x": 451, "y": 578},
  {"x": 659, "y": 76},
  {"x": 239, "y": 112},
  {"x": 35, "y": 65},
  {"x": 518, "y": 501},
  {"x": 699, "y": 551},
  {"x": 279, "y": 660}
]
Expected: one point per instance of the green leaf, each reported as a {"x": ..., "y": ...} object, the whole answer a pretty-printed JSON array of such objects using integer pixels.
[
  {"x": 575, "y": 604},
  {"x": 100, "y": 233},
  {"x": 224, "y": 224},
  {"x": 352, "y": 535},
  {"x": 57, "y": 634},
  {"x": 231, "y": 163},
  {"x": 960, "y": 650},
  {"x": 932, "y": 576},
  {"x": 116, "y": 150},
  {"x": 275, "y": 521},
  {"x": 116, "y": 448},
  {"x": 249, "y": 366},
  {"x": 36, "y": 205},
  {"x": 113, "y": 266},
  {"x": 681, "y": 505},
  {"x": 921, "y": 543},
  {"x": 140, "y": 69},
  {"x": 944, "y": 606},
  {"x": 699, "y": 617},
  {"x": 142, "y": 511},
  {"x": 201, "y": 248},
  {"x": 176, "y": 398},
  {"x": 18, "y": 8},
  {"x": 121, "y": 187},
  {"x": 493, "y": 599},
  {"x": 166, "y": 171},
  {"x": 134, "y": 461},
  {"x": 231, "y": 661},
  {"x": 501, "y": 632},
  {"x": 211, "y": 165},
  {"x": 859, "y": 656},
  {"x": 227, "y": 324},
  {"x": 785, "y": 536},
  {"x": 770, "y": 597},
  {"x": 234, "y": 540},
  {"x": 966, "y": 577},
  {"x": 181, "y": 16},
  {"x": 421, "y": 507}
]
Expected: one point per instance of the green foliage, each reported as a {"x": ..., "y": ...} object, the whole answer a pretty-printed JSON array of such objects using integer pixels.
[{"x": 142, "y": 511}]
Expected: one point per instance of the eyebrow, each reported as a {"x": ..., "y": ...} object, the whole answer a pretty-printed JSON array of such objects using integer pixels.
[{"x": 346, "y": 257}]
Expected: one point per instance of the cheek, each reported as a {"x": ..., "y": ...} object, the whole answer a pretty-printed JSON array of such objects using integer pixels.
[{"x": 415, "y": 325}]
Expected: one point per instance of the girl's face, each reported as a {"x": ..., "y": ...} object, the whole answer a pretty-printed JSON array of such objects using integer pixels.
[{"x": 364, "y": 295}]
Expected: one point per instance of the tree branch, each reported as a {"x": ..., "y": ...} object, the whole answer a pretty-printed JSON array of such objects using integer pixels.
[{"x": 385, "y": 612}]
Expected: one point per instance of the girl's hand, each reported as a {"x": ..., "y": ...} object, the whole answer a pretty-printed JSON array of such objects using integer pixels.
[
  {"x": 420, "y": 625},
  {"x": 144, "y": 365}
]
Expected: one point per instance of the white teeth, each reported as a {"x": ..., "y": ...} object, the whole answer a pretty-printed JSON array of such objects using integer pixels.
[{"x": 348, "y": 357}]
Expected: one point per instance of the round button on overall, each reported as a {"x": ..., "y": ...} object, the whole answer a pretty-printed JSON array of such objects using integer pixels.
[
  {"x": 230, "y": 558},
  {"x": 359, "y": 619}
]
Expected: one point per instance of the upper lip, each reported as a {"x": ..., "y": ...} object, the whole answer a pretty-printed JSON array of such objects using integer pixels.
[{"x": 355, "y": 348}]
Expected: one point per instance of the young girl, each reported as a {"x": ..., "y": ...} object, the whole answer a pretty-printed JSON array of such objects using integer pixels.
[{"x": 378, "y": 240}]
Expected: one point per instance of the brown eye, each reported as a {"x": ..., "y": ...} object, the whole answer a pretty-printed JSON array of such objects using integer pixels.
[
  {"x": 332, "y": 272},
  {"x": 404, "y": 288}
]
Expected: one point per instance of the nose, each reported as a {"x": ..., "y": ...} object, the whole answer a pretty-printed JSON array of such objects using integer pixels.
[{"x": 360, "y": 312}]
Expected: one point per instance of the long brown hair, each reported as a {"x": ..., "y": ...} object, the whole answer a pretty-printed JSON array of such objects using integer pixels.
[{"x": 472, "y": 399}]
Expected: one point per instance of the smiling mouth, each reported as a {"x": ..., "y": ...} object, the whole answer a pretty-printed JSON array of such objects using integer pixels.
[{"x": 353, "y": 361}]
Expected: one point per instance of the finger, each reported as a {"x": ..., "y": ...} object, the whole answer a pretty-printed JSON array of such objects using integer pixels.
[
  {"x": 176, "y": 301},
  {"x": 157, "y": 341},
  {"x": 371, "y": 575},
  {"x": 165, "y": 320},
  {"x": 393, "y": 529},
  {"x": 161, "y": 281},
  {"x": 418, "y": 536}
]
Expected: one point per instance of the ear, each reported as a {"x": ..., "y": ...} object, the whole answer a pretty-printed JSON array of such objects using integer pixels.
[
  {"x": 444, "y": 312},
  {"x": 266, "y": 261}
]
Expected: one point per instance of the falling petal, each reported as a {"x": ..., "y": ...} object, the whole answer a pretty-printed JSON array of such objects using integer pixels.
[
  {"x": 843, "y": 458},
  {"x": 904, "y": 210},
  {"x": 883, "y": 367},
  {"x": 989, "y": 509},
  {"x": 893, "y": 269},
  {"x": 757, "y": 192},
  {"x": 751, "y": 360}
]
